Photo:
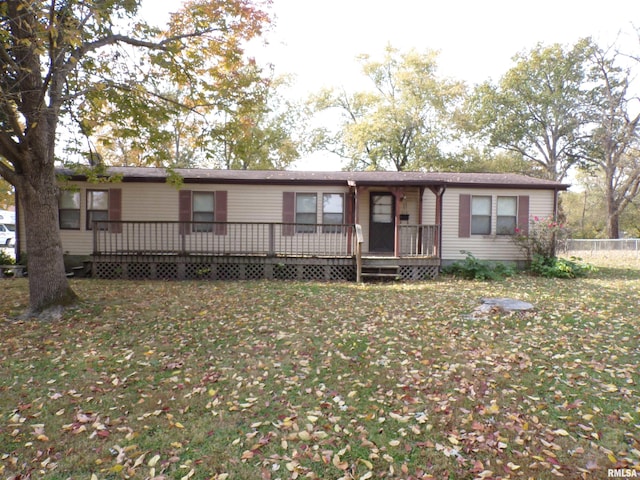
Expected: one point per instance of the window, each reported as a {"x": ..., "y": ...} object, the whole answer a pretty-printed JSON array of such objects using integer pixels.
[
  {"x": 203, "y": 211},
  {"x": 480, "y": 215},
  {"x": 382, "y": 208},
  {"x": 507, "y": 215},
  {"x": 306, "y": 217},
  {"x": 69, "y": 210},
  {"x": 332, "y": 212},
  {"x": 97, "y": 208}
]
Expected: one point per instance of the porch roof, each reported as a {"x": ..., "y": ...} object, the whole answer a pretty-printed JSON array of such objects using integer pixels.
[{"x": 294, "y": 177}]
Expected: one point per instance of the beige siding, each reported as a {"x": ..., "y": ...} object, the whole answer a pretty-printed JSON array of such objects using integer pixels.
[
  {"x": 149, "y": 201},
  {"x": 248, "y": 203},
  {"x": 489, "y": 247},
  {"x": 140, "y": 201},
  {"x": 263, "y": 203},
  {"x": 410, "y": 206},
  {"x": 159, "y": 202},
  {"x": 428, "y": 208}
]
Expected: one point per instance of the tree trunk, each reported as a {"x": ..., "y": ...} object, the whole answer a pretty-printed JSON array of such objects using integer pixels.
[
  {"x": 48, "y": 284},
  {"x": 613, "y": 223},
  {"x": 613, "y": 213}
]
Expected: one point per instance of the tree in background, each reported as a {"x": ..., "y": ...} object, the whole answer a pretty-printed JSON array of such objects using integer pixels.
[
  {"x": 255, "y": 128},
  {"x": 475, "y": 159},
  {"x": 403, "y": 123},
  {"x": 64, "y": 60},
  {"x": 584, "y": 207},
  {"x": 537, "y": 108},
  {"x": 614, "y": 147},
  {"x": 560, "y": 108},
  {"x": 263, "y": 134},
  {"x": 200, "y": 99},
  {"x": 586, "y": 210}
]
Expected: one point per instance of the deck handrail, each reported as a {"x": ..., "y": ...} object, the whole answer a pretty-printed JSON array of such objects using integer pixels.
[
  {"x": 419, "y": 240},
  {"x": 146, "y": 237},
  {"x": 125, "y": 237}
]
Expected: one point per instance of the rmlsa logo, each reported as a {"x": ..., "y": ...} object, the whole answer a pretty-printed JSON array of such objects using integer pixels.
[{"x": 622, "y": 473}]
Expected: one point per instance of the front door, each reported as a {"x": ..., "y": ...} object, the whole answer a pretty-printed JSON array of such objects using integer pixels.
[{"x": 382, "y": 223}]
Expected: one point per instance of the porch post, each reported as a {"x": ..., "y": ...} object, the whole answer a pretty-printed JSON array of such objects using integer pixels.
[
  {"x": 95, "y": 241},
  {"x": 438, "y": 192},
  {"x": 272, "y": 240},
  {"x": 420, "y": 232},
  {"x": 358, "y": 190},
  {"x": 397, "y": 195},
  {"x": 351, "y": 206}
]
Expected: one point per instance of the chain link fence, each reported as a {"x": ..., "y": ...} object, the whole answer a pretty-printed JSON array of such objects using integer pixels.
[{"x": 623, "y": 247}]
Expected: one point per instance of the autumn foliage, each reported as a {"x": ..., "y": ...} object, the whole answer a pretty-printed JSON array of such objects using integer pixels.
[{"x": 268, "y": 380}]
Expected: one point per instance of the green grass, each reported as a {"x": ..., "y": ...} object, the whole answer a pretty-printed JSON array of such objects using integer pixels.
[{"x": 254, "y": 380}]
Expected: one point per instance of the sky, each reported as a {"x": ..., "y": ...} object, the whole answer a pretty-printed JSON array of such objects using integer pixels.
[{"x": 317, "y": 41}]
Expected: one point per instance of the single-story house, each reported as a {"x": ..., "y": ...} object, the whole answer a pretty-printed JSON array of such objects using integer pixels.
[{"x": 246, "y": 224}]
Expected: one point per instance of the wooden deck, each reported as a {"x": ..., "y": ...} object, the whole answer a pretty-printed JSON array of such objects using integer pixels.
[{"x": 250, "y": 251}]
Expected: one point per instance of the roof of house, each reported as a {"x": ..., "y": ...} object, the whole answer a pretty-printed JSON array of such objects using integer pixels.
[{"x": 294, "y": 177}]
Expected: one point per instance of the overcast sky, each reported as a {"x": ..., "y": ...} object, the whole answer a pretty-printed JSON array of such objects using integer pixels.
[
  {"x": 476, "y": 39},
  {"x": 318, "y": 40}
]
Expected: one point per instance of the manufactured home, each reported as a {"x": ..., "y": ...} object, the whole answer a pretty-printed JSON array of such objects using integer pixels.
[{"x": 244, "y": 224}]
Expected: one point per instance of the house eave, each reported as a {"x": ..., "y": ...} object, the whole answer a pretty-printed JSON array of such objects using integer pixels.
[
  {"x": 341, "y": 179},
  {"x": 504, "y": 186}
]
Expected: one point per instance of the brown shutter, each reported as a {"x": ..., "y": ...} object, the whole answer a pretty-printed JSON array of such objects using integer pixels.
[
  {"x": 464, "y": 216},
  {"x": 288, "y": 213},
  {"x": 523, "y": 214},
  {"x": 220, "y": 213},
  {"x": 115, "y": 210},
  {"x": 184, "y": 211}
]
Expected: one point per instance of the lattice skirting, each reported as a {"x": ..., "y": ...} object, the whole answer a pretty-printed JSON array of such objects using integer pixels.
[
  {"x": 419, "y": 272},
  {"x": 224, "y": 268}
]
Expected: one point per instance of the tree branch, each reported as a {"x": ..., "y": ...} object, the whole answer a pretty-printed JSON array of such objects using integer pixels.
[
  {"x": 6, "y": 107},
  {"x": 6, "y": 172},
  {"x": 135, "y": 42}
]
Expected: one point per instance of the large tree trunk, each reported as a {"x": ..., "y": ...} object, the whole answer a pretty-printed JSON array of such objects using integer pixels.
[
  {"x": 48, "y": 285},
  {"x": 613, "y": 223},
  {"x": 613, "y": 213}
]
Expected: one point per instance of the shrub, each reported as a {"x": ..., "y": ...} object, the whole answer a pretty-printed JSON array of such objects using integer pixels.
[
  {"x": 473, "y": 269},
  {"x": 541, "y": 240},
  {"x": 560, "y": 267},
  {"x": 6, "y": 259},
  {"x": 539, "y": 245}
]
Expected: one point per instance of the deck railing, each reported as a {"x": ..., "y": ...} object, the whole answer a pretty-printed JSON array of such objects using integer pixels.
[
  {"x": 222, "y": 238},
  {"x": 419, "y": 240},
  {"x": 247, "y": 238}
]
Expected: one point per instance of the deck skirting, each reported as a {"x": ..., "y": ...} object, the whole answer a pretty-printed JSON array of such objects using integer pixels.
[
  {"x": 224, "y": 267},
  {"x": 245, "y": 267}
]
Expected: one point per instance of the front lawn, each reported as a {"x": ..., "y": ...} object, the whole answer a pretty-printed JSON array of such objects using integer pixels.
[{"x": 268, "y": 380}]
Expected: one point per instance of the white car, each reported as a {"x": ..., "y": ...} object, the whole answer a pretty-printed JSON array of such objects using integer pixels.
[{"x": 7, "y": 234}]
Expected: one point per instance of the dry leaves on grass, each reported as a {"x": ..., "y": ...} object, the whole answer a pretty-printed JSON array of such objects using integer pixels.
[{"x": 331, "y": 381}]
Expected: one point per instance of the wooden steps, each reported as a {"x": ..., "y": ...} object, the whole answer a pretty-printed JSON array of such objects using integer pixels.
[{"x": 380, "y": 269}]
